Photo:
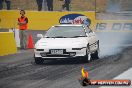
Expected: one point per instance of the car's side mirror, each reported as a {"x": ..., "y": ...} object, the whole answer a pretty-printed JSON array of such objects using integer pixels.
[{"x": 39, "y": 35}]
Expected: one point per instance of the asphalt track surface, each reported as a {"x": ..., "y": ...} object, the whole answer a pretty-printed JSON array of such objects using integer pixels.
[{"x": 20, "y": 71}]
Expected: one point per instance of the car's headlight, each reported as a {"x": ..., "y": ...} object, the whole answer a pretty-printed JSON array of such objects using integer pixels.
[{"x": 39, "y": 49}]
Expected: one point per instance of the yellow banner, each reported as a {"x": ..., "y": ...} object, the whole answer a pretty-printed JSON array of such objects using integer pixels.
[{"x": 43, "y": 20}]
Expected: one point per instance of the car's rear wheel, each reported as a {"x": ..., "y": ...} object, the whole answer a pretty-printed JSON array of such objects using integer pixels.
[{"x": 38, "y": 60}]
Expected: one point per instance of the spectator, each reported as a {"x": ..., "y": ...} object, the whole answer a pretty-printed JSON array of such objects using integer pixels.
[
  {"x": 39, "y": 3},
  {"x": 1, "y": 4},
  {"x": 50, "y": 5},
  {"x": 8, "y": 4},
  {"x": 44, "y": 5},
  {"x": 66, "y": 5},
  {"x": 23, "y": 24}
]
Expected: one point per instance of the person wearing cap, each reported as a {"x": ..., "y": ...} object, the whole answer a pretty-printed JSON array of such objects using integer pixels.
[{"x": 23, "y": 25}]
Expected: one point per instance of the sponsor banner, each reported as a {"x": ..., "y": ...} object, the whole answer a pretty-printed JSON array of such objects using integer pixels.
[
  {"x": 75, "y": 19},
  {"x": 118, "y": 25},
  {"x": 111, "y": 82},
  {"x": 116, "y": 82}
]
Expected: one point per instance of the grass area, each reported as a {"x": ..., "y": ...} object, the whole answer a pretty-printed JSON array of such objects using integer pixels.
[{"x": 76, "y": 5}]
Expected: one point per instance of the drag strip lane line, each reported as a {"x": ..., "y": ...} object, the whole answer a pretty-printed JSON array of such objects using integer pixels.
[{"x": 125, "y": 75}]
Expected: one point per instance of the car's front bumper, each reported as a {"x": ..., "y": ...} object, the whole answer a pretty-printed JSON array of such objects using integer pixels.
[{"x": 69, "y": 53}]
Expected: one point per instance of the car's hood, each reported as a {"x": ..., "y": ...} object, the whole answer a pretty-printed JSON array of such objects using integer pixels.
[{"x": 61, "y": 42}]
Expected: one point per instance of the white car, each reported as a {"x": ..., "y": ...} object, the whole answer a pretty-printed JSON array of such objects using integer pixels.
[{"x": 66, "y": 42}]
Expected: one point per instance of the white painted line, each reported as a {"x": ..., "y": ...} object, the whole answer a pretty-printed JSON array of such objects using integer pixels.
[
  {"x": 114, "y": 87},
  {"x": 125, "y": 75}
]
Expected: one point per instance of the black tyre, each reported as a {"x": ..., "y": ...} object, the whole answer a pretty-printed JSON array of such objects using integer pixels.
[
  {"x": 95, "y": 55},
  {"x": 39, "y": 60}
]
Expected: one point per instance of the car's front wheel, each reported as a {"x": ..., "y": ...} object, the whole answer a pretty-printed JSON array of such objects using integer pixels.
[
  {"x": 95, "y": 55},
  {"x": 38, "y": 60},
  {"x": 87, "y": 57},
  {"x": 91, "y": 56}
]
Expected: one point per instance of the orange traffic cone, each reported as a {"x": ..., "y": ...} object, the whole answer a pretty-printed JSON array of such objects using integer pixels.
[{"x": 30, "y": 42}]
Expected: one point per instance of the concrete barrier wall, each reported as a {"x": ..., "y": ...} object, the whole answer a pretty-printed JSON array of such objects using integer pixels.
[
  {"x": 43, "y": 20},
  {"x": 7, "y": 43},
  {"x": 38, "y": 20}
]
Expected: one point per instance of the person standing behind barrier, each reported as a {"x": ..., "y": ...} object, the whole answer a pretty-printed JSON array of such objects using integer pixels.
[
  {"x": 44, "y": 5},
  {"x": 50, "y": 5},
  {"x": 23, "y": 24},
  {"x": 8, "y": 4},
  {"x": 39, "y": 3},
  {"x": 1, "y": 4},
  {"x": 66, "y": 5}
]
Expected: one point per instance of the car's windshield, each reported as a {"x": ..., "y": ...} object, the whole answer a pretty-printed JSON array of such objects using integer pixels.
[{"x": 66, "y": 31}]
